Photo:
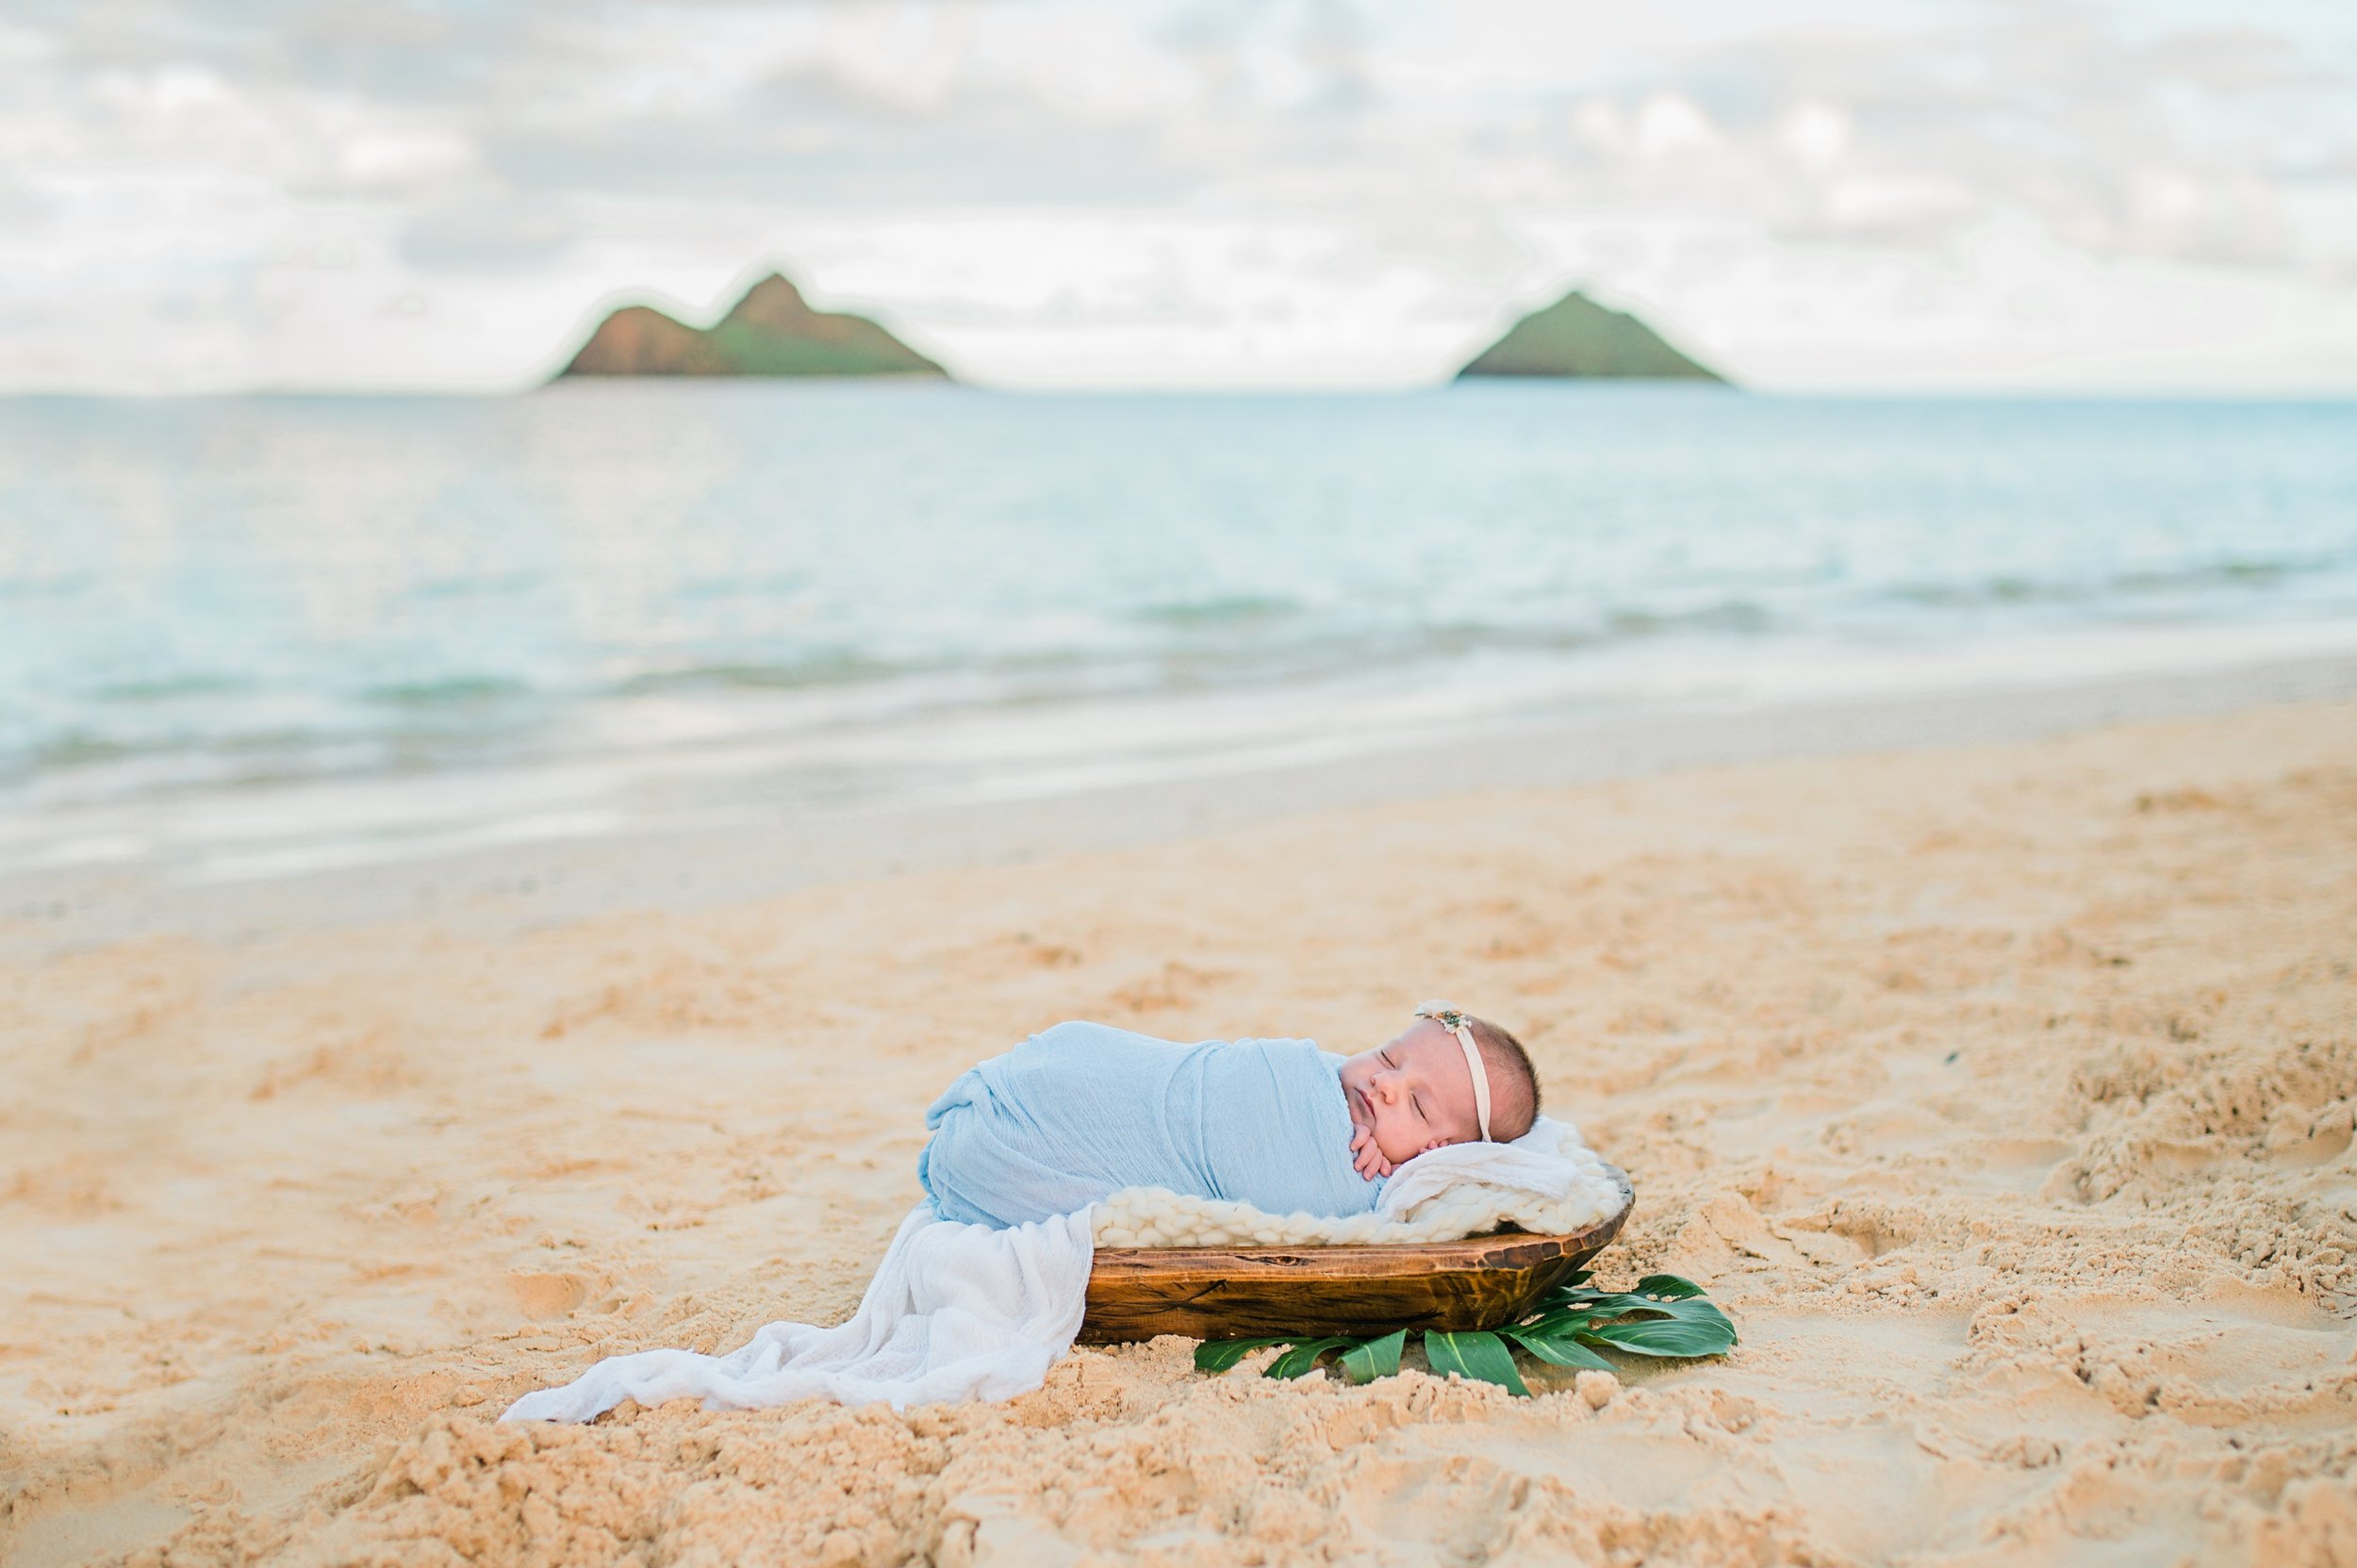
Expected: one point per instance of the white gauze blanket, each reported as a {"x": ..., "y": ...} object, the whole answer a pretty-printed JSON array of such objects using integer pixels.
[
  {"x": 1547, "y": 1181},
  {"x": 971, "y": 1311}
]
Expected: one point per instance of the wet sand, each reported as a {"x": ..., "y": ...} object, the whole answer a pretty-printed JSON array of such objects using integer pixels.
[{"x": 2003, "y": 1093}]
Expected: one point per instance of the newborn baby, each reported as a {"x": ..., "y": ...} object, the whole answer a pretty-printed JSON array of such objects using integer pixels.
[{"x": 1081, "y": 1111}]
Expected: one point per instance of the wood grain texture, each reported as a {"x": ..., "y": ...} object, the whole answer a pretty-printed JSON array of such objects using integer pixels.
[{"x": 1235, "y": 1292}]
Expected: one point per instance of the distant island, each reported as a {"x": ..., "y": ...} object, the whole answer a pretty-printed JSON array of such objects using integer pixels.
[
  {"x": 772, "y": 331},
  {"x": 1576, "y": 337}
]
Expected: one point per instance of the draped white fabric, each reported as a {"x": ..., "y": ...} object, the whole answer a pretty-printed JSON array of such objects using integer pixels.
[{"x": 955, "y": 1312}]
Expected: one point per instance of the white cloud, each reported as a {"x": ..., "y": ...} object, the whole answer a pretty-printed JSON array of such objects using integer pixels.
[
  {"x": 203, "y": 194},
  {"x": 1816, "y": 134},
  {"x": 1670, "y": 124}
]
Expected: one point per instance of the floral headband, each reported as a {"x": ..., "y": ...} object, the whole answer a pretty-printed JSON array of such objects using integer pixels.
[{"x": 1461, "y": 1024}]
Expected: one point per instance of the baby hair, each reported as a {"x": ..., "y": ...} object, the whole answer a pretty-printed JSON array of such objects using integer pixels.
[{"x": 1514, "y": 1082}]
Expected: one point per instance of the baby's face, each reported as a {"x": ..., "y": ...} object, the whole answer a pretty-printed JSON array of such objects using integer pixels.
[{"x": 1413, "y": 1093}]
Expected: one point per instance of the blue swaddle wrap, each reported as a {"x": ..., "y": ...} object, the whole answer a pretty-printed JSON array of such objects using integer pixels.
[{"x": 1079, "y": 1111}]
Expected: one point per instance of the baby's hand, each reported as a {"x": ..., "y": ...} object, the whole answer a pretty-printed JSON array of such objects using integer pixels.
[{"x": 1366, "y": 1156}]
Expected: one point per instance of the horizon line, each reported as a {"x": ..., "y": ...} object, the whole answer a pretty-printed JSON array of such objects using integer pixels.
[{"x": 1964, "y": 391}]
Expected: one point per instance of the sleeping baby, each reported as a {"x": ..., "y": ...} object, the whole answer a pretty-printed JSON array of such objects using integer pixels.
[{"x": 1077, "y": 1113}]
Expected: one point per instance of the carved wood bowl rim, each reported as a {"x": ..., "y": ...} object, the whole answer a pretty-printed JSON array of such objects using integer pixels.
[{"x": 1210, "y": 1291}]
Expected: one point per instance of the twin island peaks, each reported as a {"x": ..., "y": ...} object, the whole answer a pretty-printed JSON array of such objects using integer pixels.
[{"x": 772, "y": 331}]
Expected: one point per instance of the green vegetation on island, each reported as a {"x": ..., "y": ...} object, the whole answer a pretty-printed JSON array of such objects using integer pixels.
[
  {"x": 772, "y": 331},
  {"x": 1576, "y": 337}
]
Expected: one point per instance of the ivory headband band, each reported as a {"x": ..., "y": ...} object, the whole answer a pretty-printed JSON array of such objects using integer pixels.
[{"x": 1451, "y": 1018}]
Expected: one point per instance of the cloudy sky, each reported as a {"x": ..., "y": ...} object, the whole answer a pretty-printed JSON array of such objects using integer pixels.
[{"x": 206, "y": 194}]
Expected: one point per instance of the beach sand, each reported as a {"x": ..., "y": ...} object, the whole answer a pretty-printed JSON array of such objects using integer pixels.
[{"x": 2003, "y": 1094}]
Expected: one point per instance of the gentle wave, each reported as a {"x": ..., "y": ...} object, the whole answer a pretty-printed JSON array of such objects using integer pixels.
[
  {"x": 666, "y": 599},
  {"x": 2121, "y": 586}
]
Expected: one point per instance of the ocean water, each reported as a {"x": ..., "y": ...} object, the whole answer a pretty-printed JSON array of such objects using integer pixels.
[{"x": 247, "y": 636}]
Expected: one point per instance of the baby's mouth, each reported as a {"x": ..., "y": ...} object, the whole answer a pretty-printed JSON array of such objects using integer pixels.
[{"x": 1361, "y": 1109}]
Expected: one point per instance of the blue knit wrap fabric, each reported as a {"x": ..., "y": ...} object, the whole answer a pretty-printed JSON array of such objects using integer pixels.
[{"x": 1077, "y": 1113}]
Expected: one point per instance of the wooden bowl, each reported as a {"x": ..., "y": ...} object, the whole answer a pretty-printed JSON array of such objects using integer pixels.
[{"x": 1238, "y": 1292}]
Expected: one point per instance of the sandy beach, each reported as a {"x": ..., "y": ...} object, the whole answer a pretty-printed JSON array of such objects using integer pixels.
[{"x": 2002, "y": 1091}]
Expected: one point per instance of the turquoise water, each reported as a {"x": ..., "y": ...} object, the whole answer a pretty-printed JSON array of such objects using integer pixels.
[{"x": 237, "y": 635}]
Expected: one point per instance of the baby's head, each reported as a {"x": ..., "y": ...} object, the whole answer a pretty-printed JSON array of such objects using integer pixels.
[{"x": 1416, "y": 1092}]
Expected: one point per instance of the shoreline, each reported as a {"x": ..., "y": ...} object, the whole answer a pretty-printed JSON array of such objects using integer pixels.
[{"x": 529, "y": 885}]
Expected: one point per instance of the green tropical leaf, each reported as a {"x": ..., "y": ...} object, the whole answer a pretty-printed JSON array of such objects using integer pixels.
[
  {"x": 1663, "y": 1315},
  {"x": 1571, "y": 1287},
  {"x": 1218, "y": 1355},
  {"x": 1377, "y": 1358},
  {"x": 1707, "y": 1314},
  {"x": 1621, "y": 1303},
  {"x": 1478, "y": 1356},
  {"x": 1562, "y": 1320},
  {"x": 1605, "y": 1309},
  {"x": 1560, "y": 1347},
  {"x": 1303, "y": 1357},
  {"x": 1694, "y": 1309},
  {"x": 1664, "y": 1337}
]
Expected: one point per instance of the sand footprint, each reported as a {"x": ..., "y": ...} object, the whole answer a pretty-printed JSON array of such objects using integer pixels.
[{"x": 542, "y": 1295}]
